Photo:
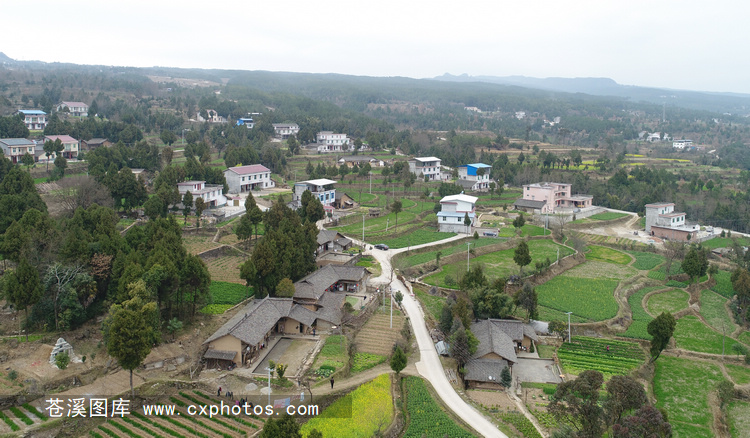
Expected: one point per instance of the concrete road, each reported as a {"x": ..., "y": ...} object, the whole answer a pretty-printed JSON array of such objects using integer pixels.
[{"x": 429, "y": 365}]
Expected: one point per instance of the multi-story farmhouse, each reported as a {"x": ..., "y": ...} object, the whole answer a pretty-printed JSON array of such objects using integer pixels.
[{"x": 251, "y": 177}]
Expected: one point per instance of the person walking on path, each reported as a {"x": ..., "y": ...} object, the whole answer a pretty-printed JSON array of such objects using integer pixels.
[
  {"x": 331, "y": 382},
  {"x": 219, "y": 392}
]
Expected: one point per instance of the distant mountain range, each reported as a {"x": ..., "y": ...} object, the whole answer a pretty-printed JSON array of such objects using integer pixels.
[{"x": 733, "y": 103}]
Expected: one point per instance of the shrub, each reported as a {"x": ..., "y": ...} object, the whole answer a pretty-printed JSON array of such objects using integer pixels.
[
  {"x": 12, "y": 374},
  {"x": 62, "y": 360}
]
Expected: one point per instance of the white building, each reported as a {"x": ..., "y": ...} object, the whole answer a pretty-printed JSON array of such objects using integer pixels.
[
  {"x": 35, "y": 120},
  {"x": 246, "y": 121},
  {"x": 453, "y": 212},
  {"x": 284, "y": 130},
  {"x": 79, "y": 109},
  {"x": 329, "y": 142},
  {"x": 662, "y": 221},
  {"x": 211, "y": 193},
  {"x": 429, "y": 166},
  {"x": 321, "y": 188},
  {"x": 245, "y": 178},
  {"x": 682, "y": 144},
  {"x": 474, "y": 177}
]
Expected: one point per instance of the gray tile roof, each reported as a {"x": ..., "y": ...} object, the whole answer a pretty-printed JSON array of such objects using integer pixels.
[
  {"x": 219, "y": 354},
  {"x": 528, "y": 203},
  {"x": 17, "y": 142},
  {"x": 314, "y": 284},
  {"x": 493, "y": 340},
  {"x": 500, "y": 335},
  {"x": 258, "y": 317},
  {"x": 485, "y": 370}
]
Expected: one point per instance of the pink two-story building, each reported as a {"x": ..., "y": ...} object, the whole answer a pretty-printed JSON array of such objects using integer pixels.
[{"x": 551, "y": 198}]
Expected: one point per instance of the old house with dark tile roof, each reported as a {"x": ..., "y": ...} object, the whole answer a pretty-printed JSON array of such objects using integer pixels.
[{"x": 499, "y": 341}]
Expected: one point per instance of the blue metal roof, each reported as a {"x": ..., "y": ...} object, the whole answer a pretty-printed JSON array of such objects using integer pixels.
[
  {"x": 33, "y": 112},
  {"x": 479, "y": 165}
]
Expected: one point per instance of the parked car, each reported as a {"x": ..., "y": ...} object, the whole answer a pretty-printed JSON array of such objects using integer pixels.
[{"x": 382, "y": 246}]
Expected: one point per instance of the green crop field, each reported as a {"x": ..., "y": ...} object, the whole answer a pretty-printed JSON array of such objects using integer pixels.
[
  {"x": 500, "y": 263},
  {"x": 645, "y": 261},
  {"x": 587, "y": 298},
  {"x": 609, "y": 255},
  {"x": 596, "y": 270},
  {"x": 641, "y": 318},
  {"x": 429, "y": 256},
  {"x": 682, "y": 386},
  {"x": 585, "y": 353},
  {"x": 714, "y": 312},
  {"x": 417, "y": 237},
  {"x": 669, "y": 301},
  {"x": 608, "y": 216},
  {"x": 547, "y": 314},
  {"x": 223, "y": 292},
  {"x": 725, "y": 242},
  {"x": 723, "y": 284},
  {"x": 691, "y": 334},
  {"x": 739, "y": 419},
  {"x": 739, "y": 373},
  {"x": 426, "y": 417},
  {"x": 431, "y": 303}
]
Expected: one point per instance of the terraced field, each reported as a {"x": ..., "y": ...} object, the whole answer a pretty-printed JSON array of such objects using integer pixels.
[
  {"x": 182, "y": 424},
  {"x": 377, "y": 337},
  {"x": 226, "y": 268},
  {"x": 604, "y": 355},
  {"x": 668, "y": 301}
]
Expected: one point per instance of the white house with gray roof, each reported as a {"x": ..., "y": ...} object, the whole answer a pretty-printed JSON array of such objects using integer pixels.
[{"x": 15, "y": 148}]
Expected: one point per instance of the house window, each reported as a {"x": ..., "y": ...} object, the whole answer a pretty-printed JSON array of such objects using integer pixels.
[{"x": 445, "y": 218}]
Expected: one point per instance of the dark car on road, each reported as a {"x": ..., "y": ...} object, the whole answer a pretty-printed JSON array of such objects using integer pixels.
[{"x": 382, "y": 246}]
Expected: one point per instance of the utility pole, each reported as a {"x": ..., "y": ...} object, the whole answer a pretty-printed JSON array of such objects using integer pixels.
[
  {"x": 568, "y": 326},
  {"x": 363, "y": 229},
  {"x": 370, "y": 182},
  {"x": 723, "y": 338},
  {"x": 468, "y": 245},
  {"x": 391, "y": 288}
]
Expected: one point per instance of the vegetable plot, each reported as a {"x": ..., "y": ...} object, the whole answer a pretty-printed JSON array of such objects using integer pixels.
[
  {"x": 426, "y": 418},
  {"x": 588, "y": 298},
  {"x": 586, "y": 353}
]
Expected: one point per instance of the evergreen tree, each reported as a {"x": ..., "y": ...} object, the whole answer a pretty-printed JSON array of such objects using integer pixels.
[
  {"x": 505, "y": 378},
  {"x": 661, "y": 329},
  {"x": 398, "y": 360},
  {"x": 521, "y": 255}
]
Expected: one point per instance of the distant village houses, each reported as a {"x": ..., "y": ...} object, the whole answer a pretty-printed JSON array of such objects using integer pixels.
[
  {"x": 78, "y": 109},
  {"x": 328, "y": 142},
  {"x": 70, "y": 144},
  {"x": 15, "y": 148},
  {"x": 474, "y": 177},
  {"x": 285, "y": 130},
  {"x": 425, "y": 166},
  {"x": 35, "y": 120},
  {"x": 211, "y": 193}
]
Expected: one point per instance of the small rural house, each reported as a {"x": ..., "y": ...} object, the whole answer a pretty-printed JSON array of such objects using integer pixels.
[
  {"x": 72, "y": 146},
  {"x": 551, "y": 198},
  {"x": 78, "y": 109},
  {"x": 35, "y": 120},
  {"x": 94, "y": 143},
  {"x": 453, "y": 211},
  {"x": 211, "y": 193},
  {"x": 328, "y": 141},
  {"x": 285, "y": 130},
  {"x": 662, "y": 221},
  {"x": 425, "y": 166},
  {"x": 499, "y": 341},
  {"x": 321, "y": 188},
  {"x": 474, "y": 177},
  {"x": 15, "y": 148}
]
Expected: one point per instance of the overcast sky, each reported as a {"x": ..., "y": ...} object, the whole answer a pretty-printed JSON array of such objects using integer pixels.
[{"x": 681, "y": 44}]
